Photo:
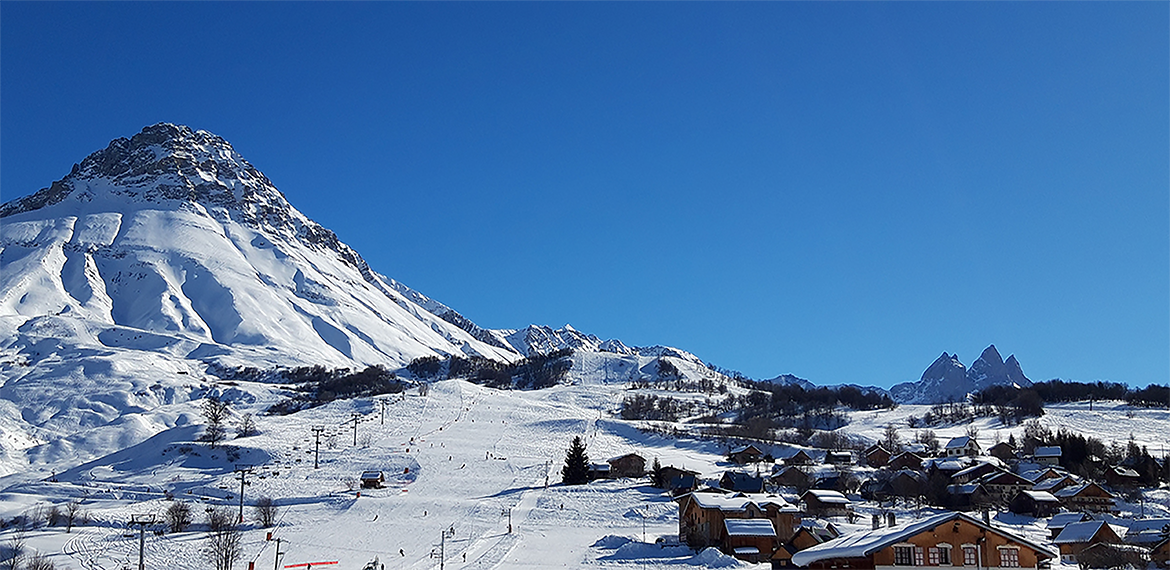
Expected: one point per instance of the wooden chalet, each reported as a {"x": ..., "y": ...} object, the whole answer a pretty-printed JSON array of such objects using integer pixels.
[
  {"x": 372, "y": 479},
  {"x": 1004, "y": 485},
  {"x": 745, "y": 454},
  {"x": 679, "y": 481},
  {"x": 790, "y": 476},
  {"x": 598, "y": 471},
  {"x": 1078, "y": 536},
  {"x": 877, "y": 456},
  {"x": 1160, "y": 553},
  {"x": 628, "y": 465},
  {"x": 741, "y": 482},
  {"x": 1087, "y": 497},
  {"x": 750, "y": 540},
  {"x": 974, "y": 472},
  {"x": 1054, "y": 484},
  {"x": 801, "y": 457},
  {"x": 838, "y": 458},
  {"x": 969, "y": 497},
  {"x": 701, "y": 516},
  {"x": 1120, "y": 477},
  {"x": 1002, "y": 451},
  {"x": 906, "y": 460},
  {"x": 824, "y": 503},
  {"x": 1047, "y": 455},
  {"x": 946, "y": 539},
  {"x": 1061, "y": 520},
  {"x": 811, "y": 533},
  {"x": 1039, "y": 504},
  {"x": 908, "y": 483}
]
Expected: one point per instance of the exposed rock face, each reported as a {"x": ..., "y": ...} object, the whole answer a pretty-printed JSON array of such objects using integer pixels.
[{"x": 947, "y": 380}]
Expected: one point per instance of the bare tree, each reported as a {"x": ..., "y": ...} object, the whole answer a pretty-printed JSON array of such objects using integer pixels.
[
  {"x": 72, "y": 512},
  {"x": 266, "y": 511},
  {"x": 972, "y": 431},
  {"x": 246, "y": 426},
  {"x": 15, "y": 550},
  {"x": 223, "y": 542},
  {"x": 39, "y": 561},
  {"x": 216, "y": 412},
  {"x": 178, "y": 516},
  {"x": 52, "y": 516}
]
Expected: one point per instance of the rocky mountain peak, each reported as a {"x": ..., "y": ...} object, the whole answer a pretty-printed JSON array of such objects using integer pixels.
[{"x": 947, "y": 380}]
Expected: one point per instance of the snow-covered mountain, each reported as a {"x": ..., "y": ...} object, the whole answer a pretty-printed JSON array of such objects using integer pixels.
[{"x": 947, "y": 380}]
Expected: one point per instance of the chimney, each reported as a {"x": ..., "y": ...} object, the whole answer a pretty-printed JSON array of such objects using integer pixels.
[
  {"x": 986, "y": 517},
  {"x": 877, "y": 521},
  {"x": 890, "y": 520}
]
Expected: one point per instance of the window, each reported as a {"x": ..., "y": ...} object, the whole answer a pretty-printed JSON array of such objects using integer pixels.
[
  {"x": 903, "y": 555},
  {"x": 944, "y": 554},
  {"x": 934, "y": 555},
  {"x": 969, "y": 556},
  {"x": 1009, "y": 557},
  {"x": 919, "y": 556}
]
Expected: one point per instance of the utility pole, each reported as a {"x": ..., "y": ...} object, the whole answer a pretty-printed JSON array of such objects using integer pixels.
[
  {"x": 141, "y": 521},
  {"x": 385, "y": 402},
  {"x": 276, "y": 562},
  {"x": 356, "y": 416},
  {"x": 242, "y": 471},
  {"x": 317, "y": 431}
]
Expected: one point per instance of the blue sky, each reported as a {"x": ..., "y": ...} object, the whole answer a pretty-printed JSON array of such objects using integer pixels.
[{"x": 841, "y": 191}]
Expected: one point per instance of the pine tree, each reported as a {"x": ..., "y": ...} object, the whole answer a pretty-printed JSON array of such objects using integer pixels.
[
  {"x": 576, "y": 469},
  {"x": 657, "y": 476}
]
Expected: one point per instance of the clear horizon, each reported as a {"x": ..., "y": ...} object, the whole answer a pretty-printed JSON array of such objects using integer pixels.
[{"x": 836, "y": 191}]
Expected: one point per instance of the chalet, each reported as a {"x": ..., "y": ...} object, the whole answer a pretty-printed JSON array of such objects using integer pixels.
[
  {"x": 1061, "y": 520},
  {"x": 1120, "y": 477},
  {"x": 801, "y": 457},
  {"x": 908, "y": 483},
  {"x": 905, "y": 460},
  {"x": 877, "y": 456},
  {"x": 1078, "y": 536},
  {"x": 745, "y": 454},
  {"x": 1160, "y": 553},
  {"x": 1146, "y": 531},
  {"x": 1048, "y": 455},
  {"x": 789, "y": 476},
  {"x": 702, "y": 515},
  {"x": 1004, "y": 485},
  {"x": 968, "y": 497},
  {"x": 751, "y": 540},
  {"x": 1002, "y": 451},
  {"x": 1037, "y": 504},
  {"x": 679, "y": 481},
  {"x": 628, "y": 465},
  {"x": 1044, "y": 473},
  {"x": 372, "y": 479},
  {"x": 811, "y": 533},
  {"x": 876, "y": 489},
  {"x": 670, "y": 472},
  {"x": 741, "y": 482},
  {"x": 1088, "y": 497},
  {"x": 824, "y": 503},
  {"x": 946, "y": 539},
  {"x": 979, "y": 469},
  {"x": 839, "y": 458},
  {"x": 598, "y": 471},
  {"x": 1054, "y": 484},
  {"x": 962, "y": 445}
]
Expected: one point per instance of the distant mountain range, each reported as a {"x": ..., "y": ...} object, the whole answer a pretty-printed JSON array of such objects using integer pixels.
[{"x": 947, "y": 380}]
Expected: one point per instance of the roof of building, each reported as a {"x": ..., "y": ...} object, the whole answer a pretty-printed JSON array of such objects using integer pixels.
[
  {"x": 1061, "y": 519},
  {"x": 826, "y": 496},
  {"x": 1074, "y": 490},
  {"x": 740, "y": 501},
  {"x": 1084, "y": 531},
  {"x": 612, "y": 459},
  {"x": 1125, "y": 472},
  {"x": 1041, "y": 496},
  {"x": 959, "y": 442},
  {"x": 1048, "y": 451},
  {"x": 967, "y": 489},
  {"x": 749, "y": 527},
  {"x": 744, "y": 448},
  {"x": 371, "y": 474},
  {"x": 862, "y": 544},
  {"x": 1051, "y": 482}
]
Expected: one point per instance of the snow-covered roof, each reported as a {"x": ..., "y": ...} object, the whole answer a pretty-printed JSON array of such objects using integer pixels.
[
  {"x": 1048, "y": 451},
  {"x": 967, "y": 489},
  {"x": 826, "y": 496},
  {"x": 740, "y": 501},
  {"x": 1062, "y": 519},
  {"x": 749, "y": 527},
  {"x": 1049, "y": 483},
  {"x": 862, "y": 544},
  {"x": 612, "y": 459},
  {"x": 1125, "y": 472},
  {"x": 958, "y": 442},
  {"x": 1085, "y": 531},
  {"x": 1073, "y": 490},
  {"x": 746, "y": 550},
  {"x": 1041, "y": 496},
  {"x": 371, "y": 474},
  {"x": 743, "y": 449}
]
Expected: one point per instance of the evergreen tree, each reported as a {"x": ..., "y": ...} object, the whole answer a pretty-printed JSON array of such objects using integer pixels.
[
  {"x": 657, "y": 477},
  {"x": 576, "y": 469}
]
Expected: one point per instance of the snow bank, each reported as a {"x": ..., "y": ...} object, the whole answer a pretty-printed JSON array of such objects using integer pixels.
[{"x": 713, "y": 558}]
